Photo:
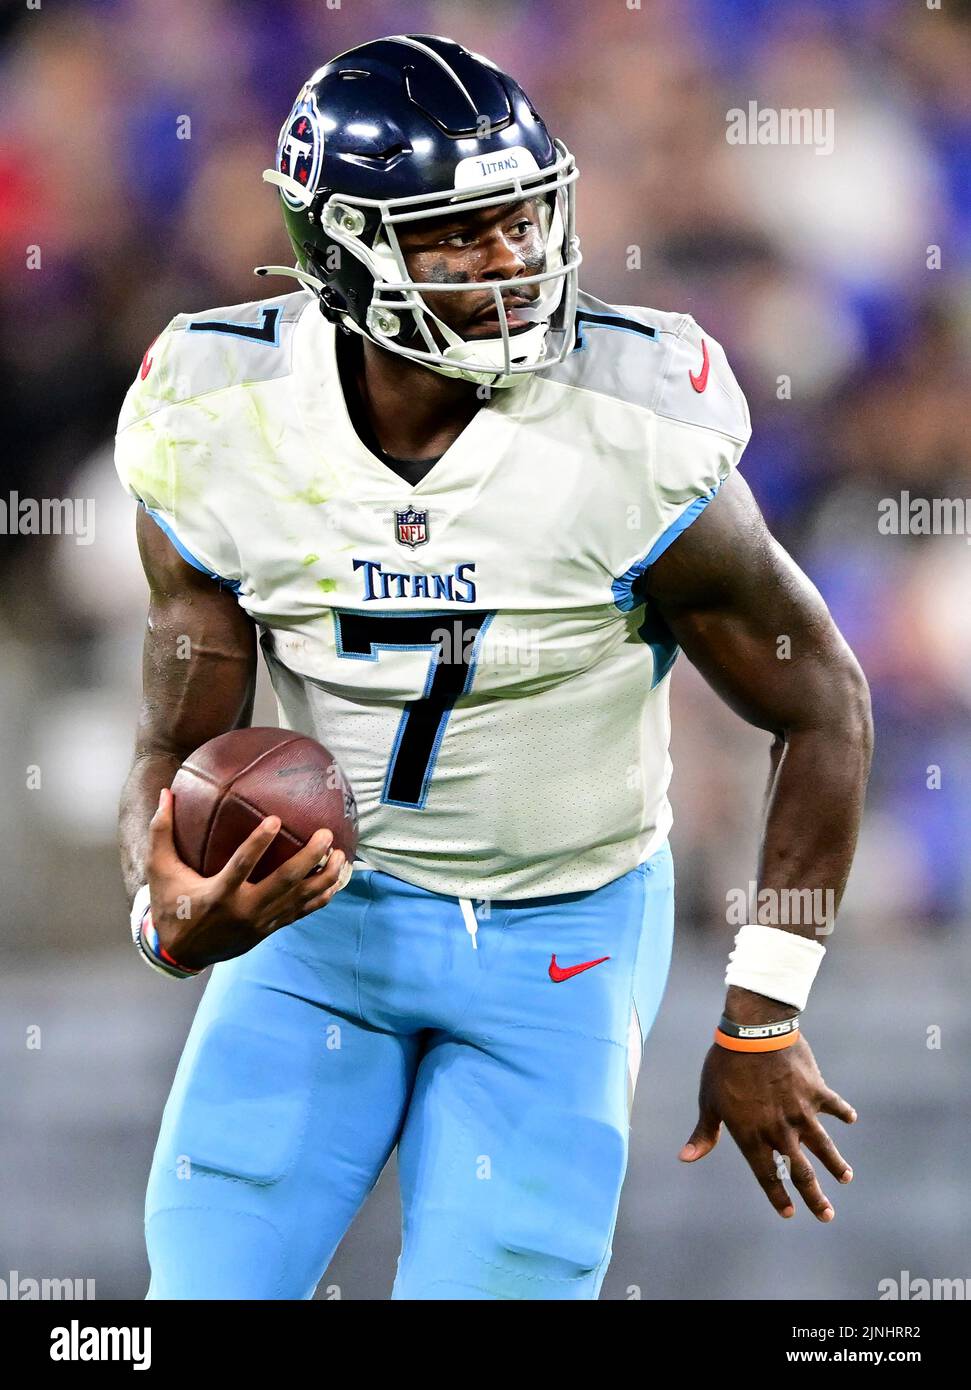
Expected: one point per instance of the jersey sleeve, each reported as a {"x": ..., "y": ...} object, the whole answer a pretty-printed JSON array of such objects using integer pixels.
[
  {"x": 164, "y": 451},
  {"x": 701, "y": 427}
]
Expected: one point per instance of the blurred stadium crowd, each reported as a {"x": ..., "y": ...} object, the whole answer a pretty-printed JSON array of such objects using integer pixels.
[{"x": 817, "y": 273}]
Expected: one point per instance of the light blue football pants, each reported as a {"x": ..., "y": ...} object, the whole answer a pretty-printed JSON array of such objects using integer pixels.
[{"x": 502, "y": 1075}]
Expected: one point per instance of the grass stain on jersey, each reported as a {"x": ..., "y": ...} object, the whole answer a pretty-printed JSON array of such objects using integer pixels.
[
  {"x": 327, "y": 585},
  {"x": 262, "y": 422},
  {"x": 160, "y": 476},
  {"x": 311, "y": 496}
]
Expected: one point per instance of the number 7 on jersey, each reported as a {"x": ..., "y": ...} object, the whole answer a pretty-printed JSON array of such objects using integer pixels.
[{"x": 452, "y": 641}]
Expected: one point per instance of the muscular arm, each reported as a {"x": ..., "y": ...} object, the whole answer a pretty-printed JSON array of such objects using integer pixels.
[
  {"x": 760, "y": 634},
  {"x": 763, "y": 639},
  {"x": 199, "y": 677},
  {"x": 199, "y": 681}
]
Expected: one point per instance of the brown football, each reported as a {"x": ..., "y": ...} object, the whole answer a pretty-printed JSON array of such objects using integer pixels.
[{"x": 231, "y": 783}]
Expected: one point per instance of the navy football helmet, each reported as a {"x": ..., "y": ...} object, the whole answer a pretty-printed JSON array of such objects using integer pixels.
[{"x": 404, "y": 129}]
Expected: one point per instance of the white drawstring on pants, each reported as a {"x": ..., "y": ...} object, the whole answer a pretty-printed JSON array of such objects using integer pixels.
[
  {"x": 470, "y": 919},
  {"x": 468, "y": 911}
]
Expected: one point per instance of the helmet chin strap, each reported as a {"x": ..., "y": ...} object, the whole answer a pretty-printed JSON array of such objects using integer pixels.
[{"x": 490, "y": 352}]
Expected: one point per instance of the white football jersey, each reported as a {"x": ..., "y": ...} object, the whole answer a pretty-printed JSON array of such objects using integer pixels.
[{"x": 472, "y": 649}]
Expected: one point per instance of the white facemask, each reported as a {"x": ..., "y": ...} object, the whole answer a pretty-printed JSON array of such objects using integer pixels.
[{"x": 402, "y": 309}]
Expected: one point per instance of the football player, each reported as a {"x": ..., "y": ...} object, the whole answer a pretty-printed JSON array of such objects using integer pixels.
[{"x": 470, "y": 515}]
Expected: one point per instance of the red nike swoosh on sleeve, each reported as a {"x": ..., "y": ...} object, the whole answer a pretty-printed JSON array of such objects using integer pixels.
[
  {"x": 700, "y": 381},
  {"x": 146, "y": 360}
]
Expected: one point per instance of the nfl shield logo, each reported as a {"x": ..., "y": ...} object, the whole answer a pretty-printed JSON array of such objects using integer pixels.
[{"x": 411, "y": 527}]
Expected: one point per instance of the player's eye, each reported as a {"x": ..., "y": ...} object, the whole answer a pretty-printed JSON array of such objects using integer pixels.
[{"x": 459, "y": 240}]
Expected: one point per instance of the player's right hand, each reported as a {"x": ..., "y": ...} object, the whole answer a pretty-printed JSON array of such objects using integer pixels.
[{"x": 203, "y": 920}]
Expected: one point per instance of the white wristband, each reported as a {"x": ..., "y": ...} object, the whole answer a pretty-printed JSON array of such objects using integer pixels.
[
  {"x": 143, "y": 901},
  {"x": 145, "y": 937},
  {"x": 776, "y": 963}
]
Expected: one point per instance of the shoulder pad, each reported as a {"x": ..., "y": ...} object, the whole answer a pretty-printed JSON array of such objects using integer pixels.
[
  {"x": 698, "y": 386},
  {"x": 660, "y": 361},
  {"x": 196, "y": 354}
]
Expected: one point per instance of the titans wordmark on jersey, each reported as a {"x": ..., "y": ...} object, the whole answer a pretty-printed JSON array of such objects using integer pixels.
[{"x": 473, "y": 649}]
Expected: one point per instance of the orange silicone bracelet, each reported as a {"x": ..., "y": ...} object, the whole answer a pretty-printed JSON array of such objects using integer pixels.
[{"x": 755, "y": 1044}]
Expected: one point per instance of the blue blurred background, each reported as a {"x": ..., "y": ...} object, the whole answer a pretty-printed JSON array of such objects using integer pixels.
[{"x": 839, "y": 284}]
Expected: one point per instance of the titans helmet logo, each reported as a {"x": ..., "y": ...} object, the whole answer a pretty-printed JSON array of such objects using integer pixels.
[{"x": 300, "y": 149}]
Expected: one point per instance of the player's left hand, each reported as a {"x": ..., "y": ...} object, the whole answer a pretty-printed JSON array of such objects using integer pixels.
[{"x": 769, "y": 1102}]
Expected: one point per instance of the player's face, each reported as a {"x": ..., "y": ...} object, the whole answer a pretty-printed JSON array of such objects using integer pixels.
[{"x": 495, "y": 244}]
